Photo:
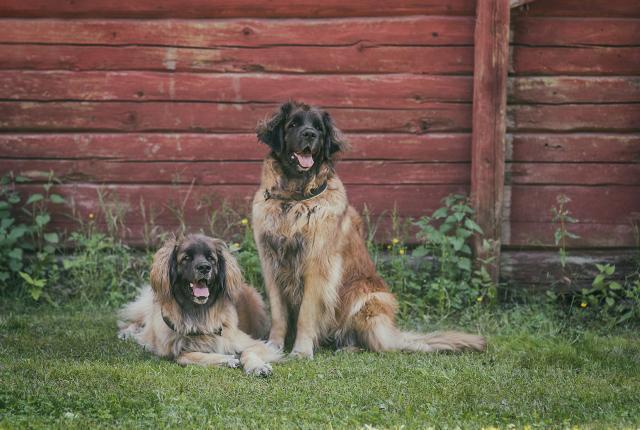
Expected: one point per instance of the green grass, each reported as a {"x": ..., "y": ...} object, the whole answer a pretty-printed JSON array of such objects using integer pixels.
[{"x": 64, "y": 367}]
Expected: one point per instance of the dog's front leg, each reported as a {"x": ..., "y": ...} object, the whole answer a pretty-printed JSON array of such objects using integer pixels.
[
  {"x": 255, "y": 355},
  {"x": 207, "y": 359},
  {"x": 317, "y": 310},
  {"x": 279, "y": 312}
]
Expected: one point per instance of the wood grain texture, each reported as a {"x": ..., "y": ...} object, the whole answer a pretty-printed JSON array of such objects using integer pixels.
[
  {"x": 390, "y": 91},
  {"x": 573, "y": 173},
  {"x": 491, "y": 56},
  {"x": 359, "y": 58},
  {"x": 225, "y": 9},
  {"x": 576, "y": 60},
  {"x": 532, "y": 235},
  {"x": 574, "y": 89},
  {"x": 574, "y": 117},
  {"x": 202, "y": 33},
  {"x": 583, "y": 8},
  {"x": 574, "y": 147},
  {"x": 575, "y": 32},
  {"x": 215, "y": 117}
]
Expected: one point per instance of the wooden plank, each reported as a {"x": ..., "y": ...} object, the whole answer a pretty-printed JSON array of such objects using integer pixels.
[
  {"x": 576, "y": 60},
  {"x": 585, "y": 147},
  {"x": 360, "y": 58},
  {"x": 565, "y": 89},
  {"x": 388, "y": 91},
  {"x": 583, "y": 8},
  {"x": 573, "y": 174},
  {"x": 571, "y": 31},
  {"x": 200, "y": 33},
  {"x": 491, "y": 58},
  {"x": 225, "y": 9},
  {"x": 213, "y": 117},
  {"x": 237, "y": 173},
  {"x": 533, "y": 235},
  {"x": 540, "y": 269},
  {"x": 572, "y": 117},
  {"x": 614, "y": 204},
  {"x": 429, "y": 147},
  {"x": 410, "y": 200}
]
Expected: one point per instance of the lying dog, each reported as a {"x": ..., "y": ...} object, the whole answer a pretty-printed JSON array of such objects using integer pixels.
[
  {"x": 321, "y": 281},
  {"x": 198, "y": 310}
]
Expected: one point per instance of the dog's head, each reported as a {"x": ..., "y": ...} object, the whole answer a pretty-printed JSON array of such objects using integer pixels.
[
  {"x": 195, "y": 271},
  {"x": 301, "y": 137}
]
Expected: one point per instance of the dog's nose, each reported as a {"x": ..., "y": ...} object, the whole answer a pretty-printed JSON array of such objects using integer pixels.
[
  {"x": 309, "y": 134},
  {"x": 204, "y": 268}
]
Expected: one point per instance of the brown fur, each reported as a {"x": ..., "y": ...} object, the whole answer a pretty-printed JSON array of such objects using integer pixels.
[
  {"x": 321, "y": 281},
  {"x": 238, "y": 312}
]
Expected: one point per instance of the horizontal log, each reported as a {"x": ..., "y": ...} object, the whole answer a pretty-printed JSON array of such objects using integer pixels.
[
  {"x": 225, "y": 9},
  {"x": 568, "y": 117},
  {"x": 389, "y": 91},
  {"x": 387, "y": 30},
  {"x": 582, "y": 8},
  {"x": 429, "y": 147},
  {"x": 590, "y": 235},
  {"x": 236, "y": 173},
  {"x": 541, "y": 269},
  {"x": 614, "y": 204},
  {"x": 571, "y": 31},
  {"x": 572, "y": 174},
  {"x": 570, "y": 89},
  {"x": 576, "y": 147},
  {"x": 362, "y": 57},
  {"x": 213, "y": 117},
  {"x": 576, "y": 60},
  {"x": 199, "y": 201}
]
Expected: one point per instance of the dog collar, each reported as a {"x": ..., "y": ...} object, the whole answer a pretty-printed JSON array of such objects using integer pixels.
[
  {"x": 169, "y": 324},
  {"x": 314, "y": 193}
]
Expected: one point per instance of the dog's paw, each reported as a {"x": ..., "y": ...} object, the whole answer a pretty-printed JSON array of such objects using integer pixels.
[
  {"x": 300, "y": 354},
  {"x": 274, "y": 346},
  {"x": 260, "y": 371},
  {"x": 233, "y": 363}
]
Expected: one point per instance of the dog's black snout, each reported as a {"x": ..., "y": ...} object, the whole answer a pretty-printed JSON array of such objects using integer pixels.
[
  {"x": 204, "y": 268},
  {"x": 309, "y": 134}
]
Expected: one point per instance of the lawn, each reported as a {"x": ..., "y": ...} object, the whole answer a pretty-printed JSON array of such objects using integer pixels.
[{"x": 64, "y": 367}]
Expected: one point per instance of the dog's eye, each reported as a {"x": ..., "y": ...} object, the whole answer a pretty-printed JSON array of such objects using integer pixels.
[
  {"x": 292, "y": 124},
  {"x": 186, "y": 258}
]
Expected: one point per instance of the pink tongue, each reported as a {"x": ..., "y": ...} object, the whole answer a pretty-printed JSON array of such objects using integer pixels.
[
  {"x": 200, "y": 291},
  {"x": 305, "y": 160}
]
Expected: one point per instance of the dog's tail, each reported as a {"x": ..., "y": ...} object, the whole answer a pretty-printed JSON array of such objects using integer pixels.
[
  {"x": 371, "y": 324},
  {"x": 382, "y": 335}
]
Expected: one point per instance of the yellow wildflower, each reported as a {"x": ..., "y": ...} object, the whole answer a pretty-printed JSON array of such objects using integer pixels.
[
  {"x": 244, "y": 221},
  {"x": 401, "y": 251},
  {"x": 395, "y": 241},
  {"x": 479, "y": 299},
  {"x": 583, "y": 305}
]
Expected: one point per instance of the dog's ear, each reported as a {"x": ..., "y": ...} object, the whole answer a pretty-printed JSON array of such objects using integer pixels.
[
  {"x": 221, "y": 276},
  {"x": 333, "y": 139},
  {"x": 271, "y": 131},
  {"x": 163, "y": 270}
]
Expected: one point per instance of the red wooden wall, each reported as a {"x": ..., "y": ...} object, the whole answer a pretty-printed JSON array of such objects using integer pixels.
[
  {"x": 147, "y": 98},
  {"x": 574, "y": 121}
]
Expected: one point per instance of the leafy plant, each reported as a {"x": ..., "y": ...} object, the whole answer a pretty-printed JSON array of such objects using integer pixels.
[
  {"x": 562, "y": 216},
  {"x": 618, "y": 301},
  {"x": 27, "y": 247}
]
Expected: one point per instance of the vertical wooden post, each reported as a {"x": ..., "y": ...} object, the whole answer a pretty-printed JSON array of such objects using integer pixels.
[{"x": 491, "y": 57}]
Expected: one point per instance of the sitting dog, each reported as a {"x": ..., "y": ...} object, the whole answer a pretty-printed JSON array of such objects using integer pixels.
[
  {"x": 321, "y": 281},
  {"x": 198, "y": 310}
]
